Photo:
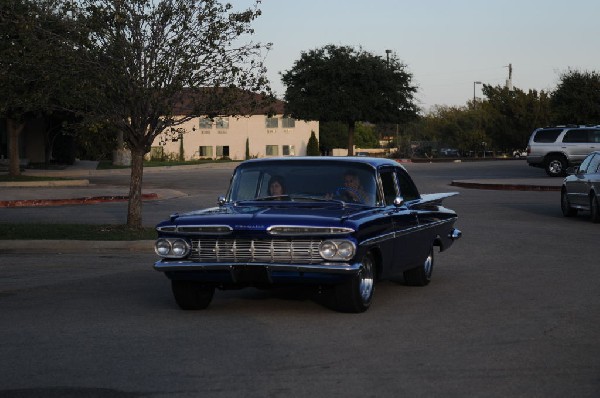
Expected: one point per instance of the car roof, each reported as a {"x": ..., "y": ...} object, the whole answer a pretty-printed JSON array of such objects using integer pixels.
[{"x": 374, "y": 162}]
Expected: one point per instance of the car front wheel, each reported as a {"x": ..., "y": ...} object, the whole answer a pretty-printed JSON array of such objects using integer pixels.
[
  {"x": 355, "y": 294},
  {"x": 594, "y": 209},
  {"x": 420, "y": 276},
  {"x": 192, "y": 295},
  {"x": 565, "y": 206}
]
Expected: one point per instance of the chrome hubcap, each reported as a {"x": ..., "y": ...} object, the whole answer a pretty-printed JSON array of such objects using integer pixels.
[
  {"x": 428, "y": 265},
  {"x": 555, "y": 166},
  {"x": 366, "y": 280}
]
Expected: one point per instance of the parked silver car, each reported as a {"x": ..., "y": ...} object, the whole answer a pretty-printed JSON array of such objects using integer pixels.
[
  {"x": 557, "y": 148},
  {"x": 581, "y": 190}
]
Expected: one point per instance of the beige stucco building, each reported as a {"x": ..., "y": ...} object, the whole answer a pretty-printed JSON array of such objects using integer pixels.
[{"x": 204, "y": 138}]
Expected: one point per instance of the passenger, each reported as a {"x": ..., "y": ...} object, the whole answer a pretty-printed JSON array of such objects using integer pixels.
[{"x": 276, "y": 186}]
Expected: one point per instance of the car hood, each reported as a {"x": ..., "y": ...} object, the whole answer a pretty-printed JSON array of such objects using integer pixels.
[{"x": 259, "y": 218}]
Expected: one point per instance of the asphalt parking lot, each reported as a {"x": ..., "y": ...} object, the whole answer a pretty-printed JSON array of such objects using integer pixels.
[{"x": 513, "y": 310}]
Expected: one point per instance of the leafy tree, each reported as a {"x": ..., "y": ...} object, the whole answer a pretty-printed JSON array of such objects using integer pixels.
[
  {"x": 365, "y": 136},
  {"x": 37, "y": 51},
  {"x": 341, "y": 83},
  {"x": 156, "y": 59},
  {"x": 312, "y": 148},
  {"x": 509, "y": 117},
  {"x": 332, "y": 135},
  {"x": 576, "y": 98}
]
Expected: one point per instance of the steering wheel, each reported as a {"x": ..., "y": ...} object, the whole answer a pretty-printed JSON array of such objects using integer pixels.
[{"x": 352, "y": 194}]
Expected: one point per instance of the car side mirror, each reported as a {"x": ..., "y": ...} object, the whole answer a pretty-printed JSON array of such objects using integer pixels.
[
  {"x": 572, "y": 170},
  {"x": 221, "y": 200},
  {"x": 399, "y": 201}
]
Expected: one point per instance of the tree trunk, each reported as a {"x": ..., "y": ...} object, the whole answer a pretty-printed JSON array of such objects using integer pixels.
[
  {"x": 134, "y": 210},
  {"x": 14, "y": 131},
  {"x": 351, "y": 126}
]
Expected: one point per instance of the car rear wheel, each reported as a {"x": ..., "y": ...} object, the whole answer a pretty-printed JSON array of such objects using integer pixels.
[
  {"x": 355, "y": 295},
  {"x": 556, "y": 166},
  {"x": 565, "y": 206},
  {"x": 594, "y": 209},
  {"x": 420, "y": 276},
  {"x": 192, "y": 295}
]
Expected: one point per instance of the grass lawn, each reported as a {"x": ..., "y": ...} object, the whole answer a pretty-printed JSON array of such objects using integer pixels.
[{"x": 74, "y": 232}]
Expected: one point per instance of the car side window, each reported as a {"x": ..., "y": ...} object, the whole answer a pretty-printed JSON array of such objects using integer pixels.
[
  {"x": 389, "y": 186},
  {"x": 408, "y": 190},
  {"x": 595, "y": 136},
  {"x": 576, "y": 136},
  {"x": 584, "y": 165},
  {"x": 594, "y": 163},
  {"x": 547, "y": 136}
]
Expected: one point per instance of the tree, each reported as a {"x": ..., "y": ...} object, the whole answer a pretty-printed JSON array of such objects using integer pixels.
[
  {"x": 341, "y": 83},
  {"x": 36, "y": 53},
  {"x": 312, "y": 148},
  {"x": 509, "y": 116},
  {"x": 156, "y": 57},
  {"x": 332, "y": 135},
  {"x": 365, "y": 136},
  {"x": 576, "y": 99}
]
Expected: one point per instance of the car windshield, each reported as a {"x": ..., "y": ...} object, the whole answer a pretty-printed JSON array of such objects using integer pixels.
[{"x": 304, "y": 180}]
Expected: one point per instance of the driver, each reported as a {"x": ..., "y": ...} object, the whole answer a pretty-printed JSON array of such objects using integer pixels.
[{"x": 354, "y": 191}]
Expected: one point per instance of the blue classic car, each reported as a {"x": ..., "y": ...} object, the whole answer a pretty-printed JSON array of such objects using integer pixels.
[{"x": 337, "y": 223}]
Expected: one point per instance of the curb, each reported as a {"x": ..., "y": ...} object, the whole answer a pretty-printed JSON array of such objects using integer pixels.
[
  {"x": 505, "y": 187},
  {"x": 74, "y": 201},
  {"x": 39, "y": 184},
  {"x": 74, "y": 246}
]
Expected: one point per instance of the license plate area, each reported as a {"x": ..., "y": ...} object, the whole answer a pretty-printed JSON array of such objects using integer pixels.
[{"x": 249, "y": 275}]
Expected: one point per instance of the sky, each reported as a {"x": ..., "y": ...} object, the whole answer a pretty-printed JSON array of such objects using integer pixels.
[{"x": 447, "y": 45}]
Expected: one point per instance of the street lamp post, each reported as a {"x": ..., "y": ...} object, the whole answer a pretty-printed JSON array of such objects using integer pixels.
[
  {"x": 474, "y": 83},
  {"x": 387, "y": 57}
]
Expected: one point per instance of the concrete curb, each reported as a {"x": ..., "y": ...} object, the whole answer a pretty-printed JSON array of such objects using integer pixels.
[
  {"x": 505, "y": 187},
  {"x": 73, "y": 201},
  {"x": 74, "y": 246},
  {"x": 38, "y": 184}
]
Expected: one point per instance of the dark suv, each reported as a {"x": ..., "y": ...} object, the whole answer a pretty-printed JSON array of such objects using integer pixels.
[{"x": 559, "y": 147}]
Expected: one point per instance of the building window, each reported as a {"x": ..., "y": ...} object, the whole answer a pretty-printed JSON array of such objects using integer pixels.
[
  {"x": 222, "y": 123},
  {"x": 288, "y": 123},
  {"x": 272, "y": 123},
  {"x": 205, "y": 123},
  {"x": 222, "y": 151},
  {"x": 272, "y": 150},
  {"x": 205, "y": 151},
  {"x": 288, "y": 150}
]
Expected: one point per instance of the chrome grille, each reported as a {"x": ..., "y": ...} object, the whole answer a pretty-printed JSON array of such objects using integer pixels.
[{"x": 289, "y": 251}]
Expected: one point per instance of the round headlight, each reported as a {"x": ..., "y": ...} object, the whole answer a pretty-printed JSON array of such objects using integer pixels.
[
  {"x": 162, "y": 247},
  {"x": 179, "y": 248},
  {"x": 327, "y": 249},
  {"x": 345, "y": 250}
]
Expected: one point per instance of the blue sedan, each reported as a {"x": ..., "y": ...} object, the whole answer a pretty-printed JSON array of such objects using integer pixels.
[{"x": 337, "y": 223}]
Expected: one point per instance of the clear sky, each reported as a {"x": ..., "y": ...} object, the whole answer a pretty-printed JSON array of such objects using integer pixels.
[{"x": 446, "y": 44}]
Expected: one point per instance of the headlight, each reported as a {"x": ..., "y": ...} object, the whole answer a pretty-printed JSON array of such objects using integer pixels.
[
  {"x": 172, "y": 248},
  {"x": 162, "y": 247},
  {"x": 337, "y": 250}
]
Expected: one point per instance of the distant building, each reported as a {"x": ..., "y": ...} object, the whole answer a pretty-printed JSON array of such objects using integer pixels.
[{"x": 226, "y": 137}]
